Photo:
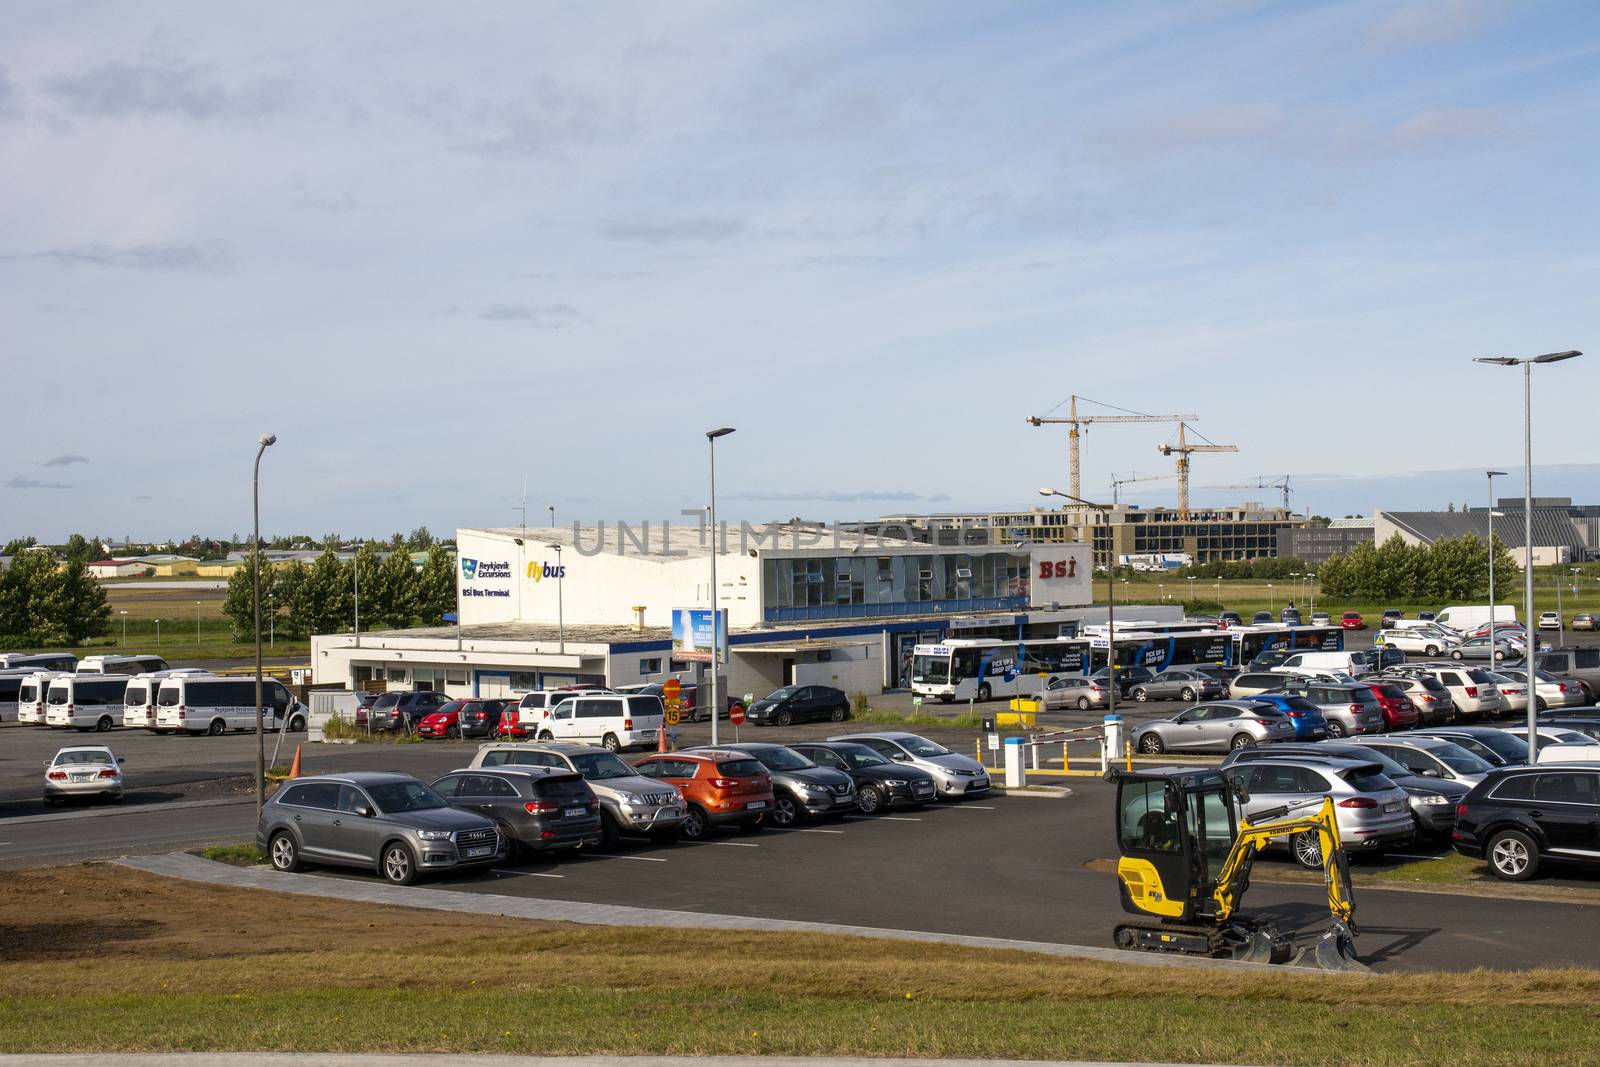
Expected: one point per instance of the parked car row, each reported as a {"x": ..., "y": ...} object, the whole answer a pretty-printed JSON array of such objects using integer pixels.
[{"x": 517, "y": 799}]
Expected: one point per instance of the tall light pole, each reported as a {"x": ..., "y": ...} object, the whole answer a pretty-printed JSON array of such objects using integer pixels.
[
  {"x": 1111, "y": 603},
  {"x": 561, "y": 607},
  {"x": 716, "y": 645},
  {"x": 1491, "y": 476},
  {"x": 552, "y": 516},
  {"x": 267, "y": 440},
  {"x": 1527, "y": 522},
  {"x": 124, "y": 615},
  {"x": 355, "y": 574}
]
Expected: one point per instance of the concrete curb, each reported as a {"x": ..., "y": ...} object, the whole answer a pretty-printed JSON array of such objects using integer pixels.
[
  {"x": 1049, "y": 792},
  {"x": 195, "y": 869}
]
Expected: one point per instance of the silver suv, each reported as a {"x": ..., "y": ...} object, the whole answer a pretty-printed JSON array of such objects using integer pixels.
[
  {"x": 629, "y": 802},
  {"x": 1372, "y": 812},
  {"x": 391, "y": 823},
  {"x": 1471, "y": 690},
  {"x": 1351, "y": 708}
]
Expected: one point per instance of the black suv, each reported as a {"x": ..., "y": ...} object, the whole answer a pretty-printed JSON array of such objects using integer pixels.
[
  {"x": 797, "y": 703},
  {"x": 391, "y": 710},
  {"x": 1519, "y": 817}
]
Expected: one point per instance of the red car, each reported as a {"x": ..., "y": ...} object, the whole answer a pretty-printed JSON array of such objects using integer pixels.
[
  {"x": 463, "y": 718},
  {"x": 1399, "y": 713},
  {"x": 1352, "y": 620}
]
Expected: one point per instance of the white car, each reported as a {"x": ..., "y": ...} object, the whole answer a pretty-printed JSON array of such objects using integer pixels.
[
  {"x": 1549, "y": 620},
  {"x": 1410, "y": 640},
  {"x": 1513, "y": 692},
  {"x": 83, "y": 771}
]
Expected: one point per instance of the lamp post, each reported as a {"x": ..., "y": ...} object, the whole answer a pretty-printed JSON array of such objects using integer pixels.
[
  {"x": 1272, "y": 598},
  {"x": 1111, "y": 605},
  {"x": 716, "y": 645},
  {"x": 561, "y": 607},
  {"x": 1527, "y": 523},
  {"x": 158, "y": 631},
  {"x": 1191, "y": 588},
  {"x": 552, "y": 517},
  {"x": 355, "y": 573},
  {"x": 124, "y": 615},
  {"x": 267, "y": 440},
  {"x": 198, "y": 604},
  {"x": 1491, "y": 476}
]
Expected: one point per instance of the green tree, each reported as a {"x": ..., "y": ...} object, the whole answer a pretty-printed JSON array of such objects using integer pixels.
[
  {"x": 397, "y": 589},
  {"x": 73, "y": 607},
  {"x": 322, "y": 600},
  {"x": 18, "y": 545},
  {"x": 369, "y": 565},
  {"x": 23, "y": 587},
  {"x": 436, "y": 586},
  {"x": 287, "y": 581},
  {"x": 420, "y": 539}
]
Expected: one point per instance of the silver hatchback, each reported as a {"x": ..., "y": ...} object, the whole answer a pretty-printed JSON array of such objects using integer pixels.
[
  {"x": 1372, "y": 812},
  {"x": 1215, "y": 727}
]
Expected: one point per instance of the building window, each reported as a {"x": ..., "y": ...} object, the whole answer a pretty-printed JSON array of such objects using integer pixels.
[
  {"x": 522, "y": 681},
  {"x": 650, "y": 666},
  {"x": 455, "y": 677},
  {"x": 397, "y": 674}
]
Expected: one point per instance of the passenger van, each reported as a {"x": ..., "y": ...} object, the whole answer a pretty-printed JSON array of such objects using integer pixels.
[
  {"x": 210, "y": 705},
  {"x": 123, "y": 665},
  {"x": 10, "y": 686},
  {"x": 84, "y": 702},
  {"x": 611, "y": 720},
  {"x": 139, "y": 699},
  {"x": 32, "y": 693},
  {"x": 534, "y": 708},
  {"x": 1332, "y": 662},
  {"x": 41, "y": 661}
]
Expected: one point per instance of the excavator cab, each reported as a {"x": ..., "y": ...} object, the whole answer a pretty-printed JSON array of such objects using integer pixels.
[{"x": 1185, "y": 865}]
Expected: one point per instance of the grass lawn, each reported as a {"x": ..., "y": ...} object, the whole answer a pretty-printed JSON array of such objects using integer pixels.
[{"x": 178, "y": 966}]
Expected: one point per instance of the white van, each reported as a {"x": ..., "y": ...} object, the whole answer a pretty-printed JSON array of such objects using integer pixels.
[
  {"x": 139, "y": 699},
  {"x": 32, "y": 693},
  {"x": 212, "y": 705},
  {"x": 1570, "y": 752},
  {"x": 1333, "y": 662},
  {"x": 10, "y": 686},
  {"x": 1464, "y": 617},
  {"x": 124, "y": 665},
  {"x": 534, "y": 708},
  {"x": 38, "y": 661},
  {"x": 611, "y": 720},
  {"x": 84, "y": 702}
]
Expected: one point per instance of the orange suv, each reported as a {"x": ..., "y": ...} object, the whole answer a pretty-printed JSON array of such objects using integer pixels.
[{"x": 722, "y": 788}]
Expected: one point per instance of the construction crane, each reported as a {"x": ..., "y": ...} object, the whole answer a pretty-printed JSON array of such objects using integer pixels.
[
  {"x": 1073, "y": 420},
  {"x": 1118, "y": 483},
  {"x": 1282, "y": 484},
  {"x": 1183, "y": 449}
]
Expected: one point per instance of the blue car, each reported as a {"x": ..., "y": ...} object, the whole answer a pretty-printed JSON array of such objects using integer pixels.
[{"x": 1309, "y": 723}]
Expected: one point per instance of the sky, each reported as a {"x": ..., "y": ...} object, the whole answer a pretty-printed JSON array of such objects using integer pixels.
[{"x": 449, "y": 250}]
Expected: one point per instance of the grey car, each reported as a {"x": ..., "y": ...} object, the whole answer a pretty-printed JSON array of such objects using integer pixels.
[
  {"x": 800, "y": 788},
  {"x": 1254, "y": 683},
  {"x": 1350, "y": 707},
  {"x": 1183, "y": 685},
  {"x": 954, "y": 775},
  {"x": 537, "y": 809},
  {"x": 1076, "y": 691},
  {"x": 1432, "y": 700},
  {"x": 1432, "y": 801},
  {"x": 1216, "y": 727},
  {"x": 630, "y": 803},
  {"x": 1430, "y": 757},
  {"x": 1506, "y": 649},
  {"x": 377, "y": 820},
  {"x": 1489, "y": 743}
]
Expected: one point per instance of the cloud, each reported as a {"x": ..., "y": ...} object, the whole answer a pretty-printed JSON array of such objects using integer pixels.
[
  {"x": 539, "y": 316},
  {"x": 9, "y": 103},
  {"x": 544, "y": 116},
  {"x": 19, "y": 482},
  {"x": 64, "y": 460},
  {"x": 1453, "y": 126},
  {"x": 129, "y": 90},
  {"x": 213, "y": 257},
  {"x": 893, "y": 495},
  {"x": 661, "y": 233},
  {"x": 1225, "y": 125},
  {"x": 1428, "y": 22}
]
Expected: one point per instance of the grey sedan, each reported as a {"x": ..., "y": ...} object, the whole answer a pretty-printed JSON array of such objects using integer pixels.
[
  {"x": 1075, "y": 691},
  {"x": 1216, "y": 727},
  {"x": 1178, "y": 685}
]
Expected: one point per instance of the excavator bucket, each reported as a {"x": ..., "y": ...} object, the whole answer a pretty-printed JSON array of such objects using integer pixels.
[
  {"x": 1334, "y": 951},
  {"x": 1255, "y": 943}
]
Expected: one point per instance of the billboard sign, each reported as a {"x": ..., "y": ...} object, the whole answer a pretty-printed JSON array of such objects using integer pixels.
[{"x": 692, "y": 634}]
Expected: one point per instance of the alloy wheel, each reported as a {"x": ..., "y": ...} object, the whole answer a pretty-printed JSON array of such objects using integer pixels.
[{"x": 1510, "y": 856}]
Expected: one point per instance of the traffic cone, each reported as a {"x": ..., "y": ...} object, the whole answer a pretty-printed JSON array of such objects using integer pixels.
[
  {"x": 661, "y": 737},
  {"x": 294, "y": 768}
]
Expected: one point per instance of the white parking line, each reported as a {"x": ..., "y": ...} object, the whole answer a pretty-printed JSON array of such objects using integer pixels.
[
  {"x": 1408, "y": 856},
  {"x": 735, "y": 844},
  {"x": 969, "y": 807},
  {"x": 636, "y": 859},
  {"x": 811, "y": 831},
  {"x": 880, "y": 818},
  {"x": 526, "y": 874}
]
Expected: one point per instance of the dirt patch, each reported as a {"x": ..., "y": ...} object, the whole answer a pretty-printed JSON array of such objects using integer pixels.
[{"x": 161, "y": 918}]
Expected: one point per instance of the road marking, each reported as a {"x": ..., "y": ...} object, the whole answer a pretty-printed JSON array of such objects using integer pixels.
[
  {"x": 969, "y": 807},
  {"x": 880, "y": 818},
  {"x": 1408, "y": 856},
  {"x": 735, "y": 844},
  {"x": 809, "y": 831},
  {"x": 526, "y": 874},
  {"x": 636, "y": 859}
]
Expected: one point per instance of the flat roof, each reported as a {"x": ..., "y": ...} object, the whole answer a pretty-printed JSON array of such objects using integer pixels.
[{"x": 683, "y": 540}]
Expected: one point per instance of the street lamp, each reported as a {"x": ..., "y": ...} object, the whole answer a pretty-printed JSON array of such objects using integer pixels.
[
  {"x": 1111, "y": 603},
  {"x": 1191, "y": 588},
  {"x": 198, "y": 604},
  {"x": 1272, "y": 598},
  {"x": 1491, "y": 476},
  {"x": 267, "y": 441},
  {"x": 552, "y": 517},
  {"x": 716, "y": 645},
  {"x": 1527, "y": 522},
  {"x": 124, "y": 615},
  {"x": 561, "y": 608}
]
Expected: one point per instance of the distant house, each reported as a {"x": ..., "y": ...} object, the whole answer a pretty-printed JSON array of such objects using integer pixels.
[{"x": 117, "y": 568}]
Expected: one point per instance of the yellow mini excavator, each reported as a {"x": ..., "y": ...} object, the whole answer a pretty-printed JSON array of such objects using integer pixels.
[{"x": 1185, "y": 866}]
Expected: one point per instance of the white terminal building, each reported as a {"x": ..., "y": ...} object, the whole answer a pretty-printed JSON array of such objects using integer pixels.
[{"x": 806, "y": 604}]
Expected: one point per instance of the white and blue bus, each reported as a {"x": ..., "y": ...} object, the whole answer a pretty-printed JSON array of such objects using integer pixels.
[
  {"x": 981, "y": 669},
  {"x": 1250, "y": 641},
  {"x": 1160, "y": 651}
]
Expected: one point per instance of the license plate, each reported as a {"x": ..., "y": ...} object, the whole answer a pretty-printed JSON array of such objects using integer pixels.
[
  {"x": 1391, "y": 808},
  {"x": 754, "y": 804},
  {"x": 980, "y": 781},
  {"x": 473, "y": 853},
  {"x": 83, "y": 777},
  {"x": 575, "y": 811}
]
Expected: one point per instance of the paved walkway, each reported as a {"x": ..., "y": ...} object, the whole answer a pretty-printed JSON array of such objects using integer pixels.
[
  {"x": 458, "y": 1059},
  {"x": 195, "y": 869}
]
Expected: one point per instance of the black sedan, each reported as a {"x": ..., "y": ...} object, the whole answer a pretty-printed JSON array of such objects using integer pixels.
[
  {"x": 536, "y": 808},
  {"x": 880, "y": 784},
  {"x": 799, "y": 703}
]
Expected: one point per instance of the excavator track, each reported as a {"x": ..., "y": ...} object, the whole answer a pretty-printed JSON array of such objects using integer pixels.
[{"x": 1248, "y": 942}]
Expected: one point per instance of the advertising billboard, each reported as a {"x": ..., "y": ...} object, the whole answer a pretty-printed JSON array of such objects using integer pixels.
[{"x": 692, "y": 637}]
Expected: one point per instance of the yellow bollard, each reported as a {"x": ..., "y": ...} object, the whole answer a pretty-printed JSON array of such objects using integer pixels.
[
  {"x": 1066, "y": 758},
  {"x": 1127, "y": 751},
  {"x": 977, "y": 751}
]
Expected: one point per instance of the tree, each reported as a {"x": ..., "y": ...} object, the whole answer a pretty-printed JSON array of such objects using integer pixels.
[
  {"x": 322, "y": 601},
  {"x": 23, "y": 587},
  {"x": 436, "y": 586},
  {"x": 18, "y": 545},
  {"x": 74, "y": 606},
  {"x": 397, "y": 588},
  {"x": 239, "y": 606},
  {"x": 287, "y": 582},
  {"x": 420, "y": 539},
  {"x": 369, "y": 566}
]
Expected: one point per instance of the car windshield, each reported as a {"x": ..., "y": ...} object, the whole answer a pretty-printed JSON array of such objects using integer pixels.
[
  {"x": 1480, "y": 677},
  {"x": 1502, "y": 744},
  {"x": 861, "y": 756},
  {"x": 598, "y": 766},
  {"x": 396, "y": 797},
  {"x": 783, "y": 694},
  {"x": 387, "y": 700},
  {"x": 783, "y": 759},
  {"x": 1296, "y": 704},
  {"x": 97, "y": 755},
  {"x": 1544, "y": 677},
  {"x": 1389, "y": 766},
  {"x": 1459, "y": 759},
  {"x": 57, "y": 696},
  {"x": 1367, "y": 781},
  {"x": 921, "y": 746}
]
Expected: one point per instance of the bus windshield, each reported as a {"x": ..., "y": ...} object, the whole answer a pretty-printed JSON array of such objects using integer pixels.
[{"x": 930, "y": 670}]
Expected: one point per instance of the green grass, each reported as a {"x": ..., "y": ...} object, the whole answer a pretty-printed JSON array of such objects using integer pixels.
[
  {"x": 960, "y": 721},
  {"x": 337, "y": 729},
  {"x": 242, "y": 855}
]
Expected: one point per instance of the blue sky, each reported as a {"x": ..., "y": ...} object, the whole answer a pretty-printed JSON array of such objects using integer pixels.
[{"x": 437, "y": 253}]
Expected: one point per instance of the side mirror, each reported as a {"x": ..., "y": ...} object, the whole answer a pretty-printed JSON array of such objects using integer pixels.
[
  {"x": 364, "y": 811},
  {"x": 900, "y": 757},
  {"x": 122, "y": 759},
  {"x": 1430, "y": 773},
  {"x": 47, "y": 765}
]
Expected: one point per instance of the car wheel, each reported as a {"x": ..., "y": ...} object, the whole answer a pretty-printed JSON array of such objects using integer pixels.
[
  {"x": 785, "y": 717},
  {"x": 297, "y": 724},
  {"x": 695, "y": 824},
  {"x": 283, "y": 852},
  {"x": 1542, "y": 704},
  {"x": 1498, "y": 655},
  {"x": 1455, "y": 653},
  {"x": 610, "y": 832},
  {"x": 513, "y": 848},
  {"x": 1084, "y": 704},
  {"x": 1241, "y": 741},
  {"x": 984, "y": 692},
  {"x": 785, "y": 812},
  {"x": 103, "y": 724},
  {"x": 840, "y": 713},
  {"x": 1513, "y": 856},
  {"x": 546, "y": 735},
  {"x": 1152, "y": 744},
  {"x": 1431, "y": 650},
  {"x": 610, "y": 743},
  {"x": 1141, "y": 694},
  {"x": 1335, "y": 728},
  {"x": 1188, "y": 694},
  {"x": 869, "y": 798},
  {"x": 217, "y": 728},
  {"x": 452, "y": 733},
  {"x": 945, "y": 698},
  {"x": 1307, "y": 849},
  {"x": 397, "y": 866}
]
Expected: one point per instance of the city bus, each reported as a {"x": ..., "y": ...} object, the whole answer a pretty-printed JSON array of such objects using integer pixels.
[
  {"x": 1250, "y": 641},
  {"x": 1160, "y": 651},
  {"x": 980, "y": 669}
]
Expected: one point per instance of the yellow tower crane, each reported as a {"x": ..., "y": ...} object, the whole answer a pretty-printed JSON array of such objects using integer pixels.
[
  {"x": 1072, "y": 420},
  {"x": 1183, "y": 449}
]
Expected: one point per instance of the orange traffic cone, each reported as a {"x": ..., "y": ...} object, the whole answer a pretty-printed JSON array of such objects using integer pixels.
[
  {"x": 661, "y": 738},
  {"x": 294, "y": 768}
]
